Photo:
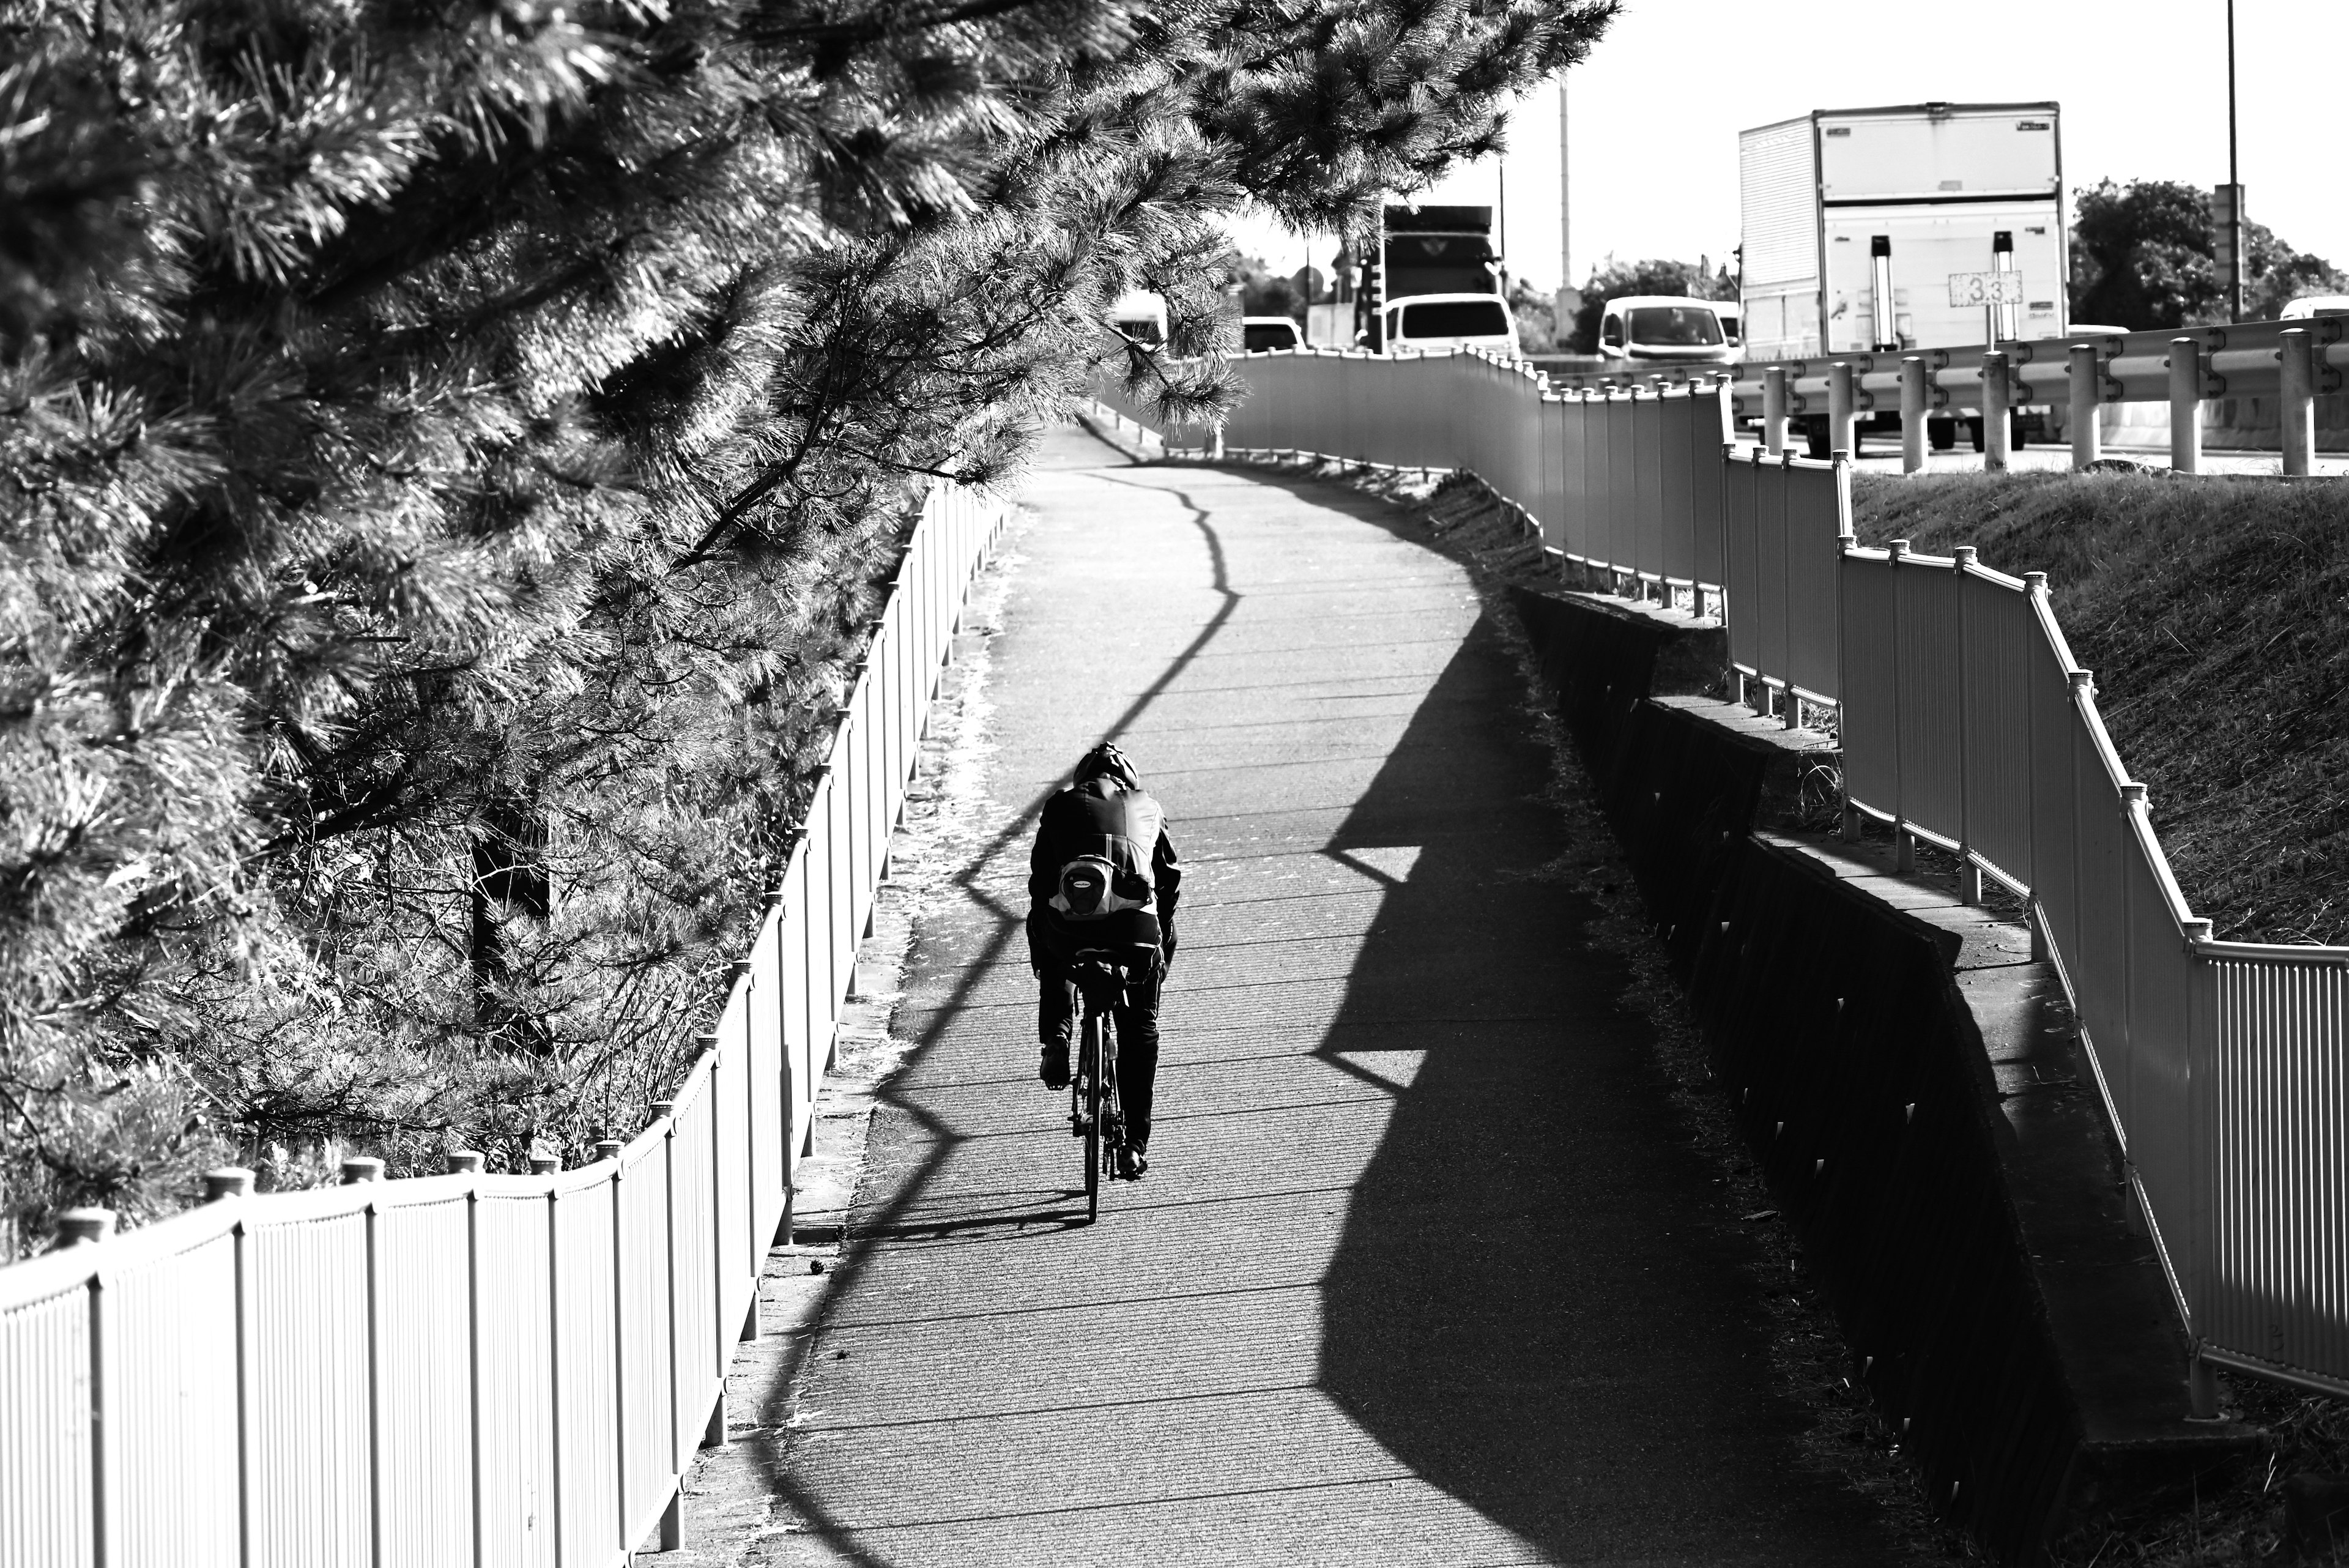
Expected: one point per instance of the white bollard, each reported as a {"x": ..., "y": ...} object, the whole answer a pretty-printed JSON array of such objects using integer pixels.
[
  {"x": 1774, "y": 410},
  {"x": 1997, "y": 427},
  {"x": 1912, "y": 413},
  {"x": 1842, "y": 440},
  {"x": 2086, "y": 442},
  {"x": 2299, "y": 388},
  {"x": 2185, "y": 405}
]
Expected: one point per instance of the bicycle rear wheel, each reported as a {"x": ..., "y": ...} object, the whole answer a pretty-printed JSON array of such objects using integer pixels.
[{"x": 1094, "y": 1110}]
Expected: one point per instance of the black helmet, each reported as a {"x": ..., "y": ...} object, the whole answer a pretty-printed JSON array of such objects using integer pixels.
[{"x": 1106, "y": 759}]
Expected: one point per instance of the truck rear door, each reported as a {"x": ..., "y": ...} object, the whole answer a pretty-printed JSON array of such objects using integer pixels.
[{"x": 1922, "y": 194}]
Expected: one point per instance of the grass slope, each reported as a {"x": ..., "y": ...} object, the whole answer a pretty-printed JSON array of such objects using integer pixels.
[{"x": 2215, "y": 614}]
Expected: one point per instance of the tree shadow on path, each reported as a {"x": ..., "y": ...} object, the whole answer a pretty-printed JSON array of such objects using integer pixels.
[{"x": 1537, "y": 1303}]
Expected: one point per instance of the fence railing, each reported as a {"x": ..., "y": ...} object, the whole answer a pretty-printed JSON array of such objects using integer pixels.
[
  {"x": 1964, "y": 720},
  {"x": 470, "y": 1369},
  {"x": 2289, "y": 363}
]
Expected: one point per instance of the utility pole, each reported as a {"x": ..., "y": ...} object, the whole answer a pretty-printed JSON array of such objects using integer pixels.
[
  {"x": 1564, "y": 206},
  {"x": 1501, "y": 222},
  {"x": 2234, "y": 187},
  {"x": 1567, "y": 300}
]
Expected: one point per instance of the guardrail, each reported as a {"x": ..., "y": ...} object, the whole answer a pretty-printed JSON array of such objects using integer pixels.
[
  {"x": 1964, "y": 721},
  {"x": 470, "y": 1369},
  {"x": 2291, "y": 362}
]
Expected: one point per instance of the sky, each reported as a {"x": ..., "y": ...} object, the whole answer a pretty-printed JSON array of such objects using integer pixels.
[{"x": 1653, "y": 114}]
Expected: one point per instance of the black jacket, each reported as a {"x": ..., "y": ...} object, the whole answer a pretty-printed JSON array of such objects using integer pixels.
[{"x": 1099, "y": 817}]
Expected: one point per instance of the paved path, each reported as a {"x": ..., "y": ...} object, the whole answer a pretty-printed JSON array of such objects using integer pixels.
[{"x": 1423, "y": 1272}]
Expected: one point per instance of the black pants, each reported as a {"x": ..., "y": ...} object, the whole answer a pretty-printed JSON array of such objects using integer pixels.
[{"x": 1137, "y": 1037}]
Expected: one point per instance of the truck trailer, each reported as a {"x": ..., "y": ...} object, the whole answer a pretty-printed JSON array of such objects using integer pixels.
[
  {"x": 1879, "y": 229},
  {"x": 1424, "y": 249}
]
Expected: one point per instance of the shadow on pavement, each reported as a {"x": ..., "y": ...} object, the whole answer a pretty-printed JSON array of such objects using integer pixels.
[{"x": 1535, "y": 1303}]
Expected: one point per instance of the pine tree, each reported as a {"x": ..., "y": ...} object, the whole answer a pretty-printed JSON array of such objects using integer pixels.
[{"x": 447, "y": 456}]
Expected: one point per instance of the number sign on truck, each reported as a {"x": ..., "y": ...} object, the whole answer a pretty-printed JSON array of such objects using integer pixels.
[{"x": 1976, "y": 290}]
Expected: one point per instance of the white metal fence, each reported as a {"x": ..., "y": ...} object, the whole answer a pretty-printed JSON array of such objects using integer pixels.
[
  {"x": 493, "y": 1371},
  {"x": 1964, "y": 720}
]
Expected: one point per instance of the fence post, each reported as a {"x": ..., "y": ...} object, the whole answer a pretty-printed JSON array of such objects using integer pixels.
[
  {"x": 1774, "y": 410},
  {"x": 1912, "y": 413},
  {"x": 1843, "y": 441},
  {"x": 2087, "y": 439},
  {"x": 1998, "y": 431},
  {"x": 1904, "y": 846},
  {"x": 1969, "y": 883},
  {"x": 2299, "y": 399},
  {"x": 2185, "y": 406}
]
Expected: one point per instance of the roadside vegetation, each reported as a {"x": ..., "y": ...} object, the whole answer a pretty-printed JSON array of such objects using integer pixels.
[
  {"x": 2215, "y": 615},
  {"x": 448, "y": 456}
]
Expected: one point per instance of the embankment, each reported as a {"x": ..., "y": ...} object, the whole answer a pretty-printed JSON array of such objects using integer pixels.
[{"x": 1912, "y": 1083}]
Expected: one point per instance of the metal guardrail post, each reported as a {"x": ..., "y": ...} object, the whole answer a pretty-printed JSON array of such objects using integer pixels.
[
  {"x": 1998, "y": 428},
  {"x": 1840, "y": 438},
  {"x": 1774, "y": 410},
  {"x": 2087, "y": 440},
  {"x": 1912, "y": 413},
  {"x": 2185, "y": 405},
  {"x": 2299, "y": 399}
]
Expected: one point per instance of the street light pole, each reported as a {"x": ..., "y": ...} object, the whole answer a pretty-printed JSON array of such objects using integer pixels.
[{"x": 2234, "y": 186}]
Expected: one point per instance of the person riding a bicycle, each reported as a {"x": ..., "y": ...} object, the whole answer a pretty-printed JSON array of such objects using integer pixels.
[{"x": 1103, "y": 876}]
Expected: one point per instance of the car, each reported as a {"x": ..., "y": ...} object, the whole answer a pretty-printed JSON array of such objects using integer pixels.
[
  {"x": 1263, "y": 334},
  {"x": 1426, "y": 323},
  {"x": 2309, "y": 306},
  {"x": 1665, "y": 329}
]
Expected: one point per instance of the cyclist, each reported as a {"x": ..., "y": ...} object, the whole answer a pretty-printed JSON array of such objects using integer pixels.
[{"x": 1103, "y": 875}]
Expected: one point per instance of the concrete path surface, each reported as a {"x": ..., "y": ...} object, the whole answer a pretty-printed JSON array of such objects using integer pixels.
[{"x": 1424, "y": 1271}]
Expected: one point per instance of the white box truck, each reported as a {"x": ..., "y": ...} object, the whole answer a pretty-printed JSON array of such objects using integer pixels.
[{"x": 1871, "y": 230}]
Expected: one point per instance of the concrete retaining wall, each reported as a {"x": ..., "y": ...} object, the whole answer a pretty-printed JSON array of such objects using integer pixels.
[{"x": 1912, "y": 1083}]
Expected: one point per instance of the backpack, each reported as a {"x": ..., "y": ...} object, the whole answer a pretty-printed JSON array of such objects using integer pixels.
[{"x": 1093, "y": 885}]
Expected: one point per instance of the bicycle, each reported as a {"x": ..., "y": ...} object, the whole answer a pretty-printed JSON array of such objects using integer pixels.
[{"x": 1095, "y": 1114}]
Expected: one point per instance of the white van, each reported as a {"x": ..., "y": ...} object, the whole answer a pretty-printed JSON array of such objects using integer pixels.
[
  {"x": 1263, "y": 334},
  {"x": 1423, "y": 323},
  {"x": 1141, "y": 316},
  {"x": 1664, "y": 329}
]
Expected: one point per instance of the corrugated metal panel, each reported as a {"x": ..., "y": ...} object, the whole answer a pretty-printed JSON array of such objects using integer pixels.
[
  {"x": 2096, "y": 962},
  {"x": 1814, "y": 524},
  {"x": 762, "y": 1007},
  {"x": 1998, "y": 637},
  {"x": 702, "y": 1341},
  {"x": 1740, "y": 501},
  {"x": 1871, "y": 691},
  {"x": 1709, "y": 432},
  {"x": 2160, "y": 1007},
  {"x": 1676, "y": 449},
  {"x": 424, "y": 1314},
  {"x": 1931, "y": 681},
  {"x": 2276, "y": 1287},
  {"x": 312, "y": 1415},
  {"x": 2054, "y": 803},
  {"x": 651, "y": 1453},
  {"x": 172, "y": 1363},
  {"x": 47, "y": 1495},
  {"x": 1778, "y": 197},
  {"x": 586, "y": 1411},
  {"x": 1623, "y": 483},
  {"x": 516, "y": 1356}
]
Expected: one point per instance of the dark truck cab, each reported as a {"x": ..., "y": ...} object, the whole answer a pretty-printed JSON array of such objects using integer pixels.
[{"x": 1424, "y": 250}]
